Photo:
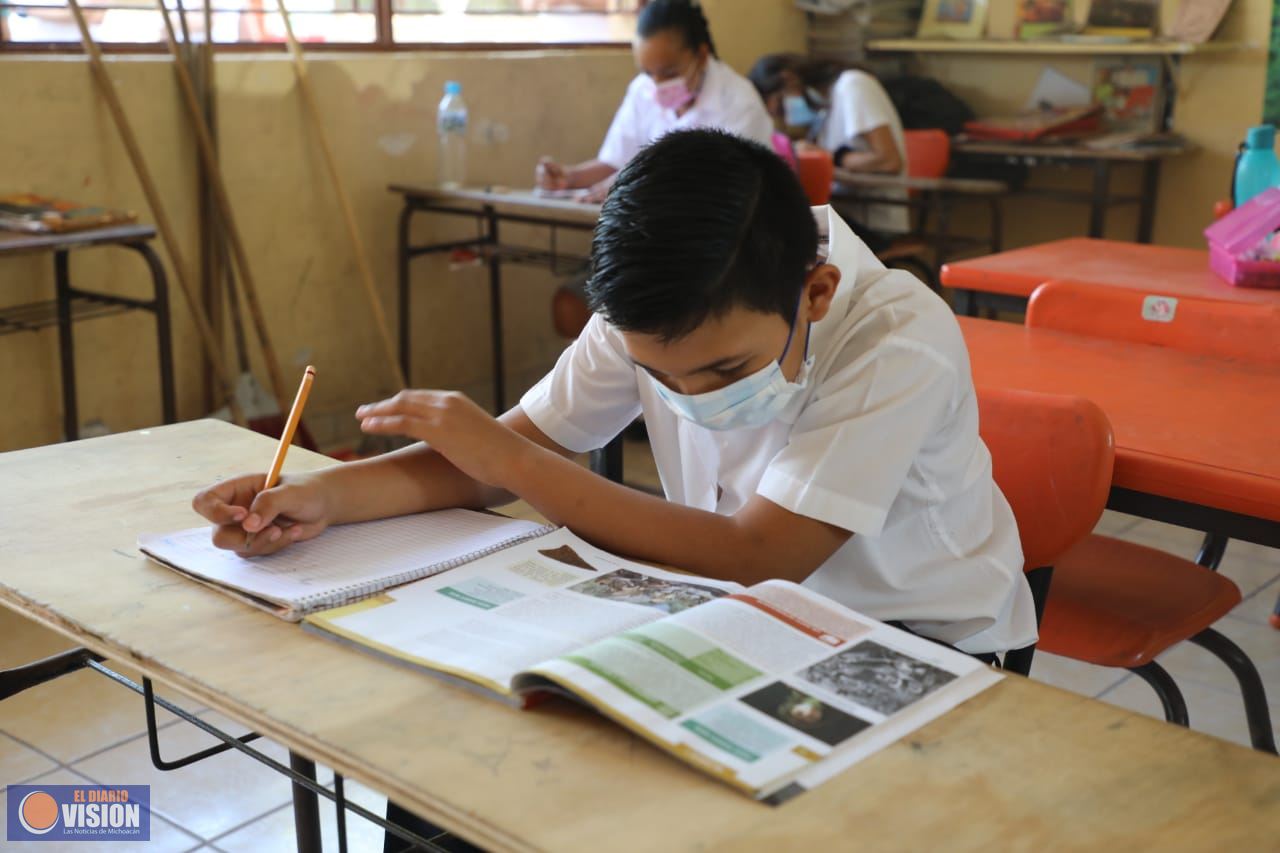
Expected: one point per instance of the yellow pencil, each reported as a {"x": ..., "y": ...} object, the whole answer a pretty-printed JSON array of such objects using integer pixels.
[
  {"x": 286, "y": 436},
  {"x": 290, "y": 427}
]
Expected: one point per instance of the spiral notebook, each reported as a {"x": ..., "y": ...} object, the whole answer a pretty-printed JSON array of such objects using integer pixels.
[{"x": 344, "y": 565}]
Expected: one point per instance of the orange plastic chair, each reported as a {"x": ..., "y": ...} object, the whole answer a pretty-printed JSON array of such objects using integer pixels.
[
  {"x": 1051, "y": 456},
  {"x": 1101, "y": 600},
  {"x": 928, "y": 153},
  {"x": 1235, "y": 330},
  {"x": 816, "y": 170}
]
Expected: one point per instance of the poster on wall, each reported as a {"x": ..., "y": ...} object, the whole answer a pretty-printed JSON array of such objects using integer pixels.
[{"x": 1271, "y": 100}]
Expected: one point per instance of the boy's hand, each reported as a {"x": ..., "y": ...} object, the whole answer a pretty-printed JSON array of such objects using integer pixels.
[
  {"x": 253, "y": 522},
  {"x": 465, "y": 434},
  {"x": 550, "y": 175}
]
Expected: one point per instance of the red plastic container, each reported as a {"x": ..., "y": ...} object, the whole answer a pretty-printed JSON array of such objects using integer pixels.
[{"x": 1235, "y": 234}]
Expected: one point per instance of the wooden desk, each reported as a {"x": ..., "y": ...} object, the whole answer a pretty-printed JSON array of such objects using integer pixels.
[
  {"x": 1196, "y": 437},
  {"x": 1099, "y": 197},
  {"x": 71, "y": 304},
  {"x": 1022, "y": 764},
  {"x": 1007, "y": 279}
]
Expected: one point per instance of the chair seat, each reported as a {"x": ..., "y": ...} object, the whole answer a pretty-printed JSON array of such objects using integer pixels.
[{"x": 1116, "y": 603}]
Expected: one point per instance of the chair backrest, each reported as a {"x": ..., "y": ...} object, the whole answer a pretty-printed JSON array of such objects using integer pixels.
[
  {"x": 1052, "y": 457},
  {"x": 1238, "y": 330},
  {"x": 928, "y": 153},
  {"x": 816, "y": 170}
]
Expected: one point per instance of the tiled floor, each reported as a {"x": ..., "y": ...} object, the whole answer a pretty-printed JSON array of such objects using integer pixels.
[{"x": 83, "y": 727}]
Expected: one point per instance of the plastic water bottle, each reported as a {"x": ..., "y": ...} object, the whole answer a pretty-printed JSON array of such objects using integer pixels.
[
  {"x": 1257, "y": 168},
  {"x": 451, "y": 123}
]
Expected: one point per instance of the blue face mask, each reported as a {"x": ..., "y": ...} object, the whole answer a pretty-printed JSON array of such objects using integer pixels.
[
  {"x": 752, "y": 401},
  {"x": 797, "y": 112}
]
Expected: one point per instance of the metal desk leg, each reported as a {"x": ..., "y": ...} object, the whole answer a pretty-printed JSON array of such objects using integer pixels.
[
  {"x": 495, "y": 312},
  {"x": 1101, "y": 198},
  {"x": 1147, "y": 207},
  {"x": 402, "y": 282},
  {"x": 306, "y": 806},
  {"x": 164, "y": 334},
  {"x": 66, "y": 346},
  {"x": 997, "y": 224}
]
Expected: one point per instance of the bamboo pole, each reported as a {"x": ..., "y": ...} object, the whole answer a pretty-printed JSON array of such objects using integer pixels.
[
  {"x": 208, "y": 155},
  {"x": 207, "y": 339},
  {"x": 362, "y": 260}
]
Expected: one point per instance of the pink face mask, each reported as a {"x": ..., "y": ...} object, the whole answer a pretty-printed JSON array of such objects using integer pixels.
[{"x": 672, "y": 94}]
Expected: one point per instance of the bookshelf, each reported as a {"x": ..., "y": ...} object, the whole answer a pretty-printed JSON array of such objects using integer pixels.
[{"x": 1052, "y": 47}]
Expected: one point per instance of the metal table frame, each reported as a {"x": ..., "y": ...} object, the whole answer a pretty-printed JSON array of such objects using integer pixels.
[
  {"x": 494, "y": 253},
  {"x": 72, "y": 304},
  {"x": 1099, "y": 196},
  {"x": 606, "y": 461},
  {"x": 301, "y": 771}
]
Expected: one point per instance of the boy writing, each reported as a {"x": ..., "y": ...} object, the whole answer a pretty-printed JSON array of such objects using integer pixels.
[{"x": 811, "y": 413}]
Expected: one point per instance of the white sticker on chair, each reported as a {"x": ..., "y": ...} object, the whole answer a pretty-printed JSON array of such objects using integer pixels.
[{"x": 1159, "y": 309}]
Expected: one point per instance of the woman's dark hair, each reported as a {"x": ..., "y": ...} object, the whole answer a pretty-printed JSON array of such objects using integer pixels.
[
  {"x": 685, "y": 16},
  {"x": 768, "y": 75},
  {"x": 698, "y": 223}
]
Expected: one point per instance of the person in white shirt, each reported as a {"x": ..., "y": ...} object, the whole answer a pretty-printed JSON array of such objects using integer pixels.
[
  {"x": 681, "y": 85},
  {"x": 847, "y": 112},
  {"x": 812, "y": 414}
]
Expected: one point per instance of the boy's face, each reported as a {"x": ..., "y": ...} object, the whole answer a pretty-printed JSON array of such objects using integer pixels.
[{"x": 736, "y": 344}]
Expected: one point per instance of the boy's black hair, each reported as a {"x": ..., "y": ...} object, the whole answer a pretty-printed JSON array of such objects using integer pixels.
[
  {"x": 700, "y": 222},
  {"x": 686, "y": 16}
]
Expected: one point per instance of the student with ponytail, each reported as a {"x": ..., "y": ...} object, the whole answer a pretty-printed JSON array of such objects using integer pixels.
[{"x": 682, "y": 84}]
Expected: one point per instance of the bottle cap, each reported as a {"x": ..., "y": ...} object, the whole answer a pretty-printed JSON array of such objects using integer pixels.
[
  {"x": 1262, "y": 136},
  {"x": 453, "y": 87}
]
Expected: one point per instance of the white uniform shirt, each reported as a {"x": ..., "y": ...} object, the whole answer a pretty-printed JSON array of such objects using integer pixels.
[
  {"x": 858, "y": 105},
  {"x": 727, "y": 101},
  {"x": 883, "y": 442}
]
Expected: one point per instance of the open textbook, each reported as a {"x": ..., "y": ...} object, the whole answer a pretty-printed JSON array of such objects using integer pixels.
[{"x": 772, "y": 689}]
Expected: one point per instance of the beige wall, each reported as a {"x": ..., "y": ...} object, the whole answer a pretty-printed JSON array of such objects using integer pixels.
[
  {"x": 57, "y": 139},
  {"x": 380, "y": 112}
]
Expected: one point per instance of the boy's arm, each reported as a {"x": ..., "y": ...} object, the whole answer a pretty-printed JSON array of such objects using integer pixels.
[
  {"x": 761, "y": 541},
  {"x": 417, "y": 479}
]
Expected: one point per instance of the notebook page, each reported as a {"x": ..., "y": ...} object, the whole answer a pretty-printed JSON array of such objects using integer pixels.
[{"x": 351, "y": 555}]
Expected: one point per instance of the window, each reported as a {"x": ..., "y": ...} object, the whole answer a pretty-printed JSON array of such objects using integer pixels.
[{"x": 347, "y": 23}]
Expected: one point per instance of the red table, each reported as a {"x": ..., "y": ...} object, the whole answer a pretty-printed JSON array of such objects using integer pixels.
[
  {"x": 1005, "y": 280},
  {"x": 1197, "y": 438}
]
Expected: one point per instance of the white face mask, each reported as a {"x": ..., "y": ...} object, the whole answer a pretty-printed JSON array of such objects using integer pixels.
[{"x": 751, "y": 401}]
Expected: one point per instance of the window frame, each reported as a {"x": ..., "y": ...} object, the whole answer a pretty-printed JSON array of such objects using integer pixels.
[{"x": 383, "y": 42}]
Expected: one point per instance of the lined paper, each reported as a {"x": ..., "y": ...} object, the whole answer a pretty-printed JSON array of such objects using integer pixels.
[{"x": 354, "y": 558}]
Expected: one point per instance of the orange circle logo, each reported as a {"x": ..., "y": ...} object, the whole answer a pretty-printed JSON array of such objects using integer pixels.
[{"x": 38, "y": 812}]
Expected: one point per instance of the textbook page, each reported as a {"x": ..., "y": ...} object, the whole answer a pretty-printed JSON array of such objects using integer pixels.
[
  {"x": 490, "y": 619},
  {"x": 772, "y": 689},
  {"x": 345, "y": 562}
]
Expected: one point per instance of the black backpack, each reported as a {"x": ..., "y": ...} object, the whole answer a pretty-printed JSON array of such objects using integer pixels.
[{"x": 924, "y": 103}]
